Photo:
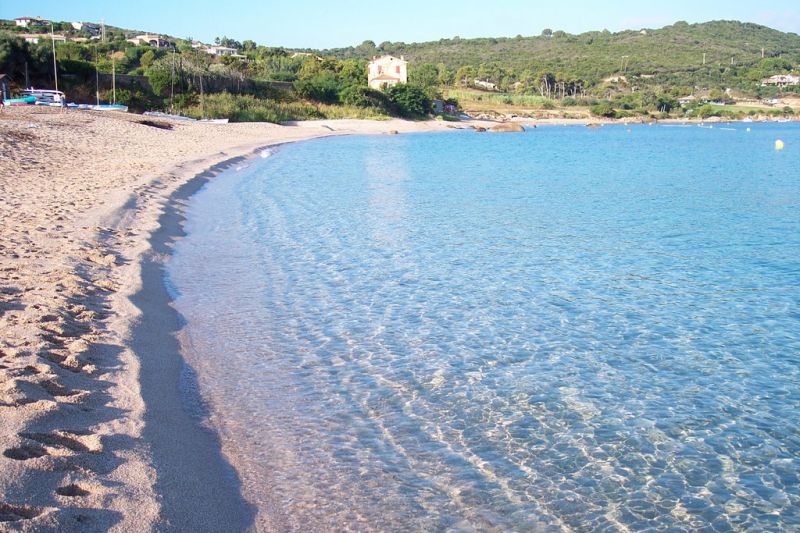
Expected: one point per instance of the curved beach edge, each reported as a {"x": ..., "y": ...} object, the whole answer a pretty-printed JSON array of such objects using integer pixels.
[{"x": 95, "y": 433}]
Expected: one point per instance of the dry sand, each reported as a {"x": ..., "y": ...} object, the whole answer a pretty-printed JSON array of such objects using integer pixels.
[{"x": 93, "y": 432}]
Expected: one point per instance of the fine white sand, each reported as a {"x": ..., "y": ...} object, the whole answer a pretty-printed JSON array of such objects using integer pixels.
[{"x": 93, "y": 434}]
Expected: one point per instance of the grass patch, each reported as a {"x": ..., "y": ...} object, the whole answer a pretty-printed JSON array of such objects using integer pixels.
[
  {"x": 465, "y": 96},
  {"x": 247, "y": 108}
]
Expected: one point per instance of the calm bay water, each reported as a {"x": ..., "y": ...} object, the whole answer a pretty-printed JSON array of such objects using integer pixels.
[{"x": 567, "y": 329}]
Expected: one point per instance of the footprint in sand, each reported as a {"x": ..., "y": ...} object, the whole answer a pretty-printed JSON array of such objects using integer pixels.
[
  {"x": 25, "y": 452},
  {"x": 72, "y": 490},
  {"x": 13, "y": 513},
  {"x": 71, "y": 440}
]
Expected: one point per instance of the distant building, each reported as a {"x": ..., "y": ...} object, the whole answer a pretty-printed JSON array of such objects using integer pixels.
[
  {"x": 36, "y": 38},
  {"x": 91, "y": 29},
  {"x": 26, "y": 22},
  {"x": 485, "y": 85},
  {"x": 220, "y": 51},
  {"x": 305, "y": 54},
  {"x": 782, "y": 80},
  {"x": 156, "y": 41},
  {"x": 387, "y": 71}
]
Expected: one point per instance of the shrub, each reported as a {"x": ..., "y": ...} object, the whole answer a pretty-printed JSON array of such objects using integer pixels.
[
  {"x": 409, "y": 100},
  {"x": 707, "y": 110},
  {"x": 366, "y": 98},
  {"x": 321, "y": 88},
  {"x": 603, "y": 110}
]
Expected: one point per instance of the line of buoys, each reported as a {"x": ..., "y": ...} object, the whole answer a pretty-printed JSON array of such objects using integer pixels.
[{"x": 779, "y": 145}]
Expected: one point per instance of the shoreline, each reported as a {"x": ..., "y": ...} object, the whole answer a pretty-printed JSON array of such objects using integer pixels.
[{"x": 95, "y": 432}]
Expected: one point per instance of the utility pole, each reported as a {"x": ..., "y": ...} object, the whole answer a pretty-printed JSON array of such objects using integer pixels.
[
  {"x": 97, "y": 77},
  {"x": 704, "y": 58},
  {"x": 103, "y": 29},
  {"x": 762, "y": 52},
  {"x": 172, "y": 84},
  {"x": 114, "y": 78},
  {"x": 55, "y": 64}
]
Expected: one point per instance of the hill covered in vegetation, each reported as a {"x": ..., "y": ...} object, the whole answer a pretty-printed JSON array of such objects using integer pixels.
[
  {"x": 718, "y": 54},
  {"x": 612, "y": 74}
]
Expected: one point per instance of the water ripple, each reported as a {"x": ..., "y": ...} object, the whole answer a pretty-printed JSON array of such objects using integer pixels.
[{"x": 561, "y": 330}]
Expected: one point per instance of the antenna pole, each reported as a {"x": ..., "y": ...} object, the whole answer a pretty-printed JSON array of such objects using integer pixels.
[
  {"x": 97, "y": 78},
  {"x": 55, "y": 64}
]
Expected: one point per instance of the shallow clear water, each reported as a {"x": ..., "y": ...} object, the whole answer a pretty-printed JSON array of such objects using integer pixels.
[{"x": 567, "y": 329}]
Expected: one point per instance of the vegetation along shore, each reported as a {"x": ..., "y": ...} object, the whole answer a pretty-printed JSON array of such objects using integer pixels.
[{"x": 728, "y": 69}]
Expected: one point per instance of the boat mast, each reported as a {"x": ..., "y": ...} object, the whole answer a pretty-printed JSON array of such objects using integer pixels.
[
  {"x": 114, "y": 77},
  {"x": 55, "y": 65}
]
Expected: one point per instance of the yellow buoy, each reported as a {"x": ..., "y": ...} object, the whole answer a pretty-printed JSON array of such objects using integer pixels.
[{"x": 779, "y": 144}]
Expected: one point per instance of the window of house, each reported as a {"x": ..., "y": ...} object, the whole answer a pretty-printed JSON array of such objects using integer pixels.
[{"x": 397, "y": 69}]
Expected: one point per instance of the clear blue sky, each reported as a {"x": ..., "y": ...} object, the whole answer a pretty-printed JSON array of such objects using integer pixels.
[{"x": 336, "y": 23}]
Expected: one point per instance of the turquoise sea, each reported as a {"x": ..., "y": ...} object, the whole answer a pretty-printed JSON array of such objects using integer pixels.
[{"x": 565, "y": 329}]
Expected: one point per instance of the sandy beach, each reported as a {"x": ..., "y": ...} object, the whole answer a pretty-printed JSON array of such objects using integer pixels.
[{"x": 93, "y": 432}]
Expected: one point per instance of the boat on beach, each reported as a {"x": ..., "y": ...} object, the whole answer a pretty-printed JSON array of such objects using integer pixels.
[
  {"x": 101, "y": 107},
  {"x": 46, "y": 97},
  {"x": 24, "y": 100}
]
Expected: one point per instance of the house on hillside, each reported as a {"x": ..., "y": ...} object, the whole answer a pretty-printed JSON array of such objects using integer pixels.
[
  {"x": 36, "y": 38},
  {"x": 219, "y": 51},
  {"x": 91, "y": 29},
  {"x": 485, "y": 85},
  {"x": 26, "y": 22},
  {"x": 387, "y": 71},
  {"x": 156, "y": 41},
  {"x": 782, "y": 80}
]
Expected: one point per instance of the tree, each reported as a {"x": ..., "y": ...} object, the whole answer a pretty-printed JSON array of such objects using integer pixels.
[
  {"x": 547, "y": 32},
  {"x": 410, "y": 100},
  {"x": 426, "y": 76},
  {"x": 465, "y": 75},
  {"x": 353, "y": 72},
  {"x": 445, "y": 76},
  {"x": 322, "y": 88},
  {"x": 147, "y": 58},
  {"x": 603, "y": 110}
]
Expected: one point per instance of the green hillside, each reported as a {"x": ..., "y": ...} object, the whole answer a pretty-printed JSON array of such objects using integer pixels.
[
  {"x": 671, "y": 55},
  {"x": 629, "y": 73}
]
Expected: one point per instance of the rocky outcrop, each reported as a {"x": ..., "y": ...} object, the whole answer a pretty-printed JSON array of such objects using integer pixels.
[{"x": 507, "y": 127}]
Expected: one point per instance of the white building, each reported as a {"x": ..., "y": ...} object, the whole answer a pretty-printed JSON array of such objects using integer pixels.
[
  {"x": 387, "y": 71},
  {"x": 36, "y": 38},
  {"x": 151, "y": 40},
  {"x": 26, "y": 22},
  {"x": 782, "y": 80},
  {"x": 485, "y": 85},
  {"x": 219, "y": 51}
]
